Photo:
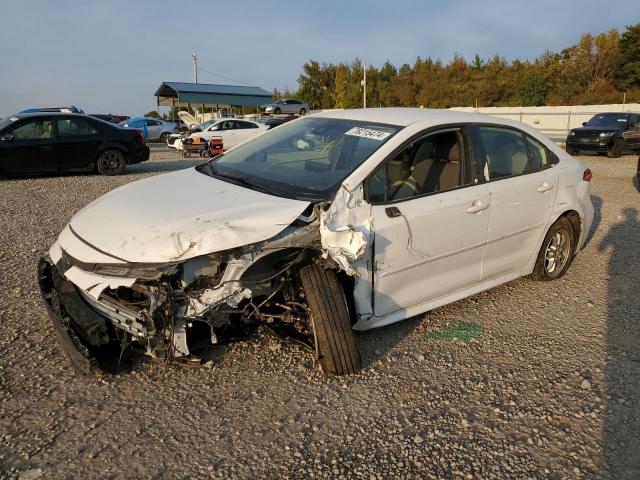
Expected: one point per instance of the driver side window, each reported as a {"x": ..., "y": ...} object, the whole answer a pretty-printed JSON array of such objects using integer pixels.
[{"x": 435, "y": 163}]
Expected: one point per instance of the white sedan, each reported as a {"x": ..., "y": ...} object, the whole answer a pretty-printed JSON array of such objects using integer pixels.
[
  {"x": 345, "y": 220},
  {"x": 233, "y": 132}
]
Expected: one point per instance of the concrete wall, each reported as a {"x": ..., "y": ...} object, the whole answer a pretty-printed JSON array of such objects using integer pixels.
[{"x": 555, "y": 122}]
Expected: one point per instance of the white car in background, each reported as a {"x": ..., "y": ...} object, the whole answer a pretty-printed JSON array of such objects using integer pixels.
[
  {"x": 233, "y": 131},
  {"x": 340, "y": 221}
]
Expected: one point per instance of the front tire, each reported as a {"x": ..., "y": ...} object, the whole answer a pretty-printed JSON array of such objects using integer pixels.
[
  {"x": 557, "y": 251},
  {"x": 111, "y": 162},
  {"x": 616, "y": 150},
  {"x": 337, "y": 350},
  {"x": 277, "y": 111},
  {"x": 571, "y": 150}
]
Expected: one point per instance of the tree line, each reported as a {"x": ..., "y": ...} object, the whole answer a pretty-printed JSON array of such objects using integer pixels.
[{"x": 598, "y": 69}]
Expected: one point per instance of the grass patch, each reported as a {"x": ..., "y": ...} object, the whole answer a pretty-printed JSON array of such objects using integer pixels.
[{"x": 456, "y": 331}]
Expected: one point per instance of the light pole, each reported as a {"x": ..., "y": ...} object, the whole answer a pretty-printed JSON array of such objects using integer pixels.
[{"x": 195, "y": 67}]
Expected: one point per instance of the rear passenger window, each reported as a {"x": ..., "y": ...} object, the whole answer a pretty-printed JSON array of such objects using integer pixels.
[
  {"x": 435, "y": 163},
  {"x": 73, "y": 127},
  {"x": 538, "y": 156},
  {"x": 505, "y": 152}
]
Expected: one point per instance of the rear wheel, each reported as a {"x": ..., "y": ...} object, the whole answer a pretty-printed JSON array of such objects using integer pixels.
[
  {"x": 111, "y": 162},
  {"x": 303, "y": 111},
  {"x": 616, "y": 150},
  {"x": 557, "y": 251},
  {"x": 336, "y": 347},
  {"x": 164, "y": 138}
]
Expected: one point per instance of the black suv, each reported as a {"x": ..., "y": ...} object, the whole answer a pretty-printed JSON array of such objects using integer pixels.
[{"x": 610, "y": 133}]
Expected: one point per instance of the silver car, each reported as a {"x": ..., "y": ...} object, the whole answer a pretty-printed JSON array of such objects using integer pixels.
[
  {"x": 295, "y": 107},
  {"x": 154, "y": 129}
]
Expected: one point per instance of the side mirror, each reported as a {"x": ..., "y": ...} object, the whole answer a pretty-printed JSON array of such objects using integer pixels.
[
  {"x": 8, "y": 137},
  {"x": 584, "y": 124}
]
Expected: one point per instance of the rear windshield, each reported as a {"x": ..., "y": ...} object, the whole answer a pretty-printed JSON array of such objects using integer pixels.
[{"x": 306, "y": 159}]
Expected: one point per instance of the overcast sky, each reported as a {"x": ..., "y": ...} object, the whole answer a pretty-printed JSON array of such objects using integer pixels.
[{"x": 110, "y": 56}]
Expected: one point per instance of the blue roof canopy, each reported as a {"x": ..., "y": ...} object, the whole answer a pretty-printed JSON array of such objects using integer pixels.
[{"x": 182, "y": 93}]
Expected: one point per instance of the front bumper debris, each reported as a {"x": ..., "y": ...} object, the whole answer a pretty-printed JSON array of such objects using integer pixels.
[{"x": 82, "y": 333}]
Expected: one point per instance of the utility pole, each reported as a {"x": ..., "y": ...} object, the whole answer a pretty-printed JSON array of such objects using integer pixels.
[
  {"x": 364, "y": 84},
  {"x": 195, "y": 67}
]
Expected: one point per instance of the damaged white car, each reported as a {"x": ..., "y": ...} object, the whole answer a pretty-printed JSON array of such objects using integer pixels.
[{"x": 338, "y": 221}]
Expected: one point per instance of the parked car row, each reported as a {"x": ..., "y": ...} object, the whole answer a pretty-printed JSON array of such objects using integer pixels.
[{"x": 55, "y": 142}]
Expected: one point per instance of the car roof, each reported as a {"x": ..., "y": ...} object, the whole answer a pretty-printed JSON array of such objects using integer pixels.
[
  {"x": 408, "y": 116},
  {"x": 47, "y": 114}
]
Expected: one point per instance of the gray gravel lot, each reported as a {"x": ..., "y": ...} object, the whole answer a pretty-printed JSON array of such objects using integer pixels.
[{"x": 549, "y": 389}]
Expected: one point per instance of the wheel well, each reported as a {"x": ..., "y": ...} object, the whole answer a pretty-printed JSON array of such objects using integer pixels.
[{"x": 576, "y": 223}]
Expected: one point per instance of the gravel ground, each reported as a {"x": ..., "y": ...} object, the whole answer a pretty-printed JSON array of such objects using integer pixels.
[{"x": 549, "y": 389}]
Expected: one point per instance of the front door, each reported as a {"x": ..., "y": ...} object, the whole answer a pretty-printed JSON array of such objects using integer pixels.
[
  {"x": 430, "y": 221},
  {"x": 522, "y": 184},
  {"x": 29, "y": 148}
]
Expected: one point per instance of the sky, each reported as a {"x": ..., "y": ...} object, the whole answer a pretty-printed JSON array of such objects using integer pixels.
[{"x": 110, "y": 56}]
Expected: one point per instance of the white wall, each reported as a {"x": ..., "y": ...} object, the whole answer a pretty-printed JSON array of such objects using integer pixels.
[{"x": 555, "y": 122}]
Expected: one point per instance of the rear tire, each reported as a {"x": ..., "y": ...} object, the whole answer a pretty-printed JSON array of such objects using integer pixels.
[
  {"x": 164, "y": 138},
  {"x": 111, "y": 162},
  {"x": 557, "y": 251},
  {"x": 337, "y": 350},
  {"x": 616, "y": 150},
  {"x": 303, "y": 111}
]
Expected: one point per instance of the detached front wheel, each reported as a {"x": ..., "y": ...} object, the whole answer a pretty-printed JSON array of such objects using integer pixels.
[
  {"x": 111, "y": 162},
  {"x": 336, "y": 347}
]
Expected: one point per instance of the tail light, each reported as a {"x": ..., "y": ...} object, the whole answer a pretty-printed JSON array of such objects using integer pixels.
[{"x": 587, "y": 175}]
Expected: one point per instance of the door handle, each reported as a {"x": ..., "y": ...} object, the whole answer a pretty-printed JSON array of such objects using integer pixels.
[
  {"x": 392, "y": 212},
  {"x": 477, "y": 206},
  {"x": 544, "y": 187}
]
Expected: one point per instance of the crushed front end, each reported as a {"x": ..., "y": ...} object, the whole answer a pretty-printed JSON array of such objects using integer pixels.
[{"x": 106, "y": 312}]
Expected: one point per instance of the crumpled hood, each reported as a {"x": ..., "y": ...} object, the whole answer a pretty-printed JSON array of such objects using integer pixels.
[{"x": 180, "y": 215}]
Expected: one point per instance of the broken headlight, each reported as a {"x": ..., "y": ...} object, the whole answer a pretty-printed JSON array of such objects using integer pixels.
[{"x": 146, "y": 272}]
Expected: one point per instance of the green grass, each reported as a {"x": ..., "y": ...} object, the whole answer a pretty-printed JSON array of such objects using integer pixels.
[{"x": 458, "y": 331}]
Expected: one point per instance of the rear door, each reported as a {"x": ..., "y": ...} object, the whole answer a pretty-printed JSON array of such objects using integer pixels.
[
  {"x": 78, "y": 143},
  {"x": 29, "y": 147},
  {"x": 522, "y": 185},
  {"x": 154, "y": 129},
  {"x": 430, "y": 219}
]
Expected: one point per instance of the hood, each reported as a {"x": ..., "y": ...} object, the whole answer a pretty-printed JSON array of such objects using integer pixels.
[
  {"x": 188, "y": 119},
  {"x": 180, "y": 215}
]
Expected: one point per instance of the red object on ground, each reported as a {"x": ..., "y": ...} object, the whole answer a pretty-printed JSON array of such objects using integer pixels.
[{"x": 215, "y": 147}]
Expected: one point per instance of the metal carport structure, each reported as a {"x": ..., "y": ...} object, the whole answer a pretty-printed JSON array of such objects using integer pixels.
[{"x": 182, "y": 94}]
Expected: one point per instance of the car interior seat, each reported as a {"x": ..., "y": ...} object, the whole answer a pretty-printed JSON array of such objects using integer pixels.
[
  {"x": 508, "y": 156},
  {"x": 437, "y": 166}
]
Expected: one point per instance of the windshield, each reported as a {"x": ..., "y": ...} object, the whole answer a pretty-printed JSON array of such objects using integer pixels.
[
  {"x": 7, "y": 121},
  {"x": 307, "y": 159},
  {"x": 608, "y": 120}
]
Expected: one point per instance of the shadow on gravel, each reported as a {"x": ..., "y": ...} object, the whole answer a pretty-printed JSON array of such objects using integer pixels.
[
  {"x": 596, "y": 201},
  {"x": 376, "y": 344},
  {"x": 621, "y": 435}
]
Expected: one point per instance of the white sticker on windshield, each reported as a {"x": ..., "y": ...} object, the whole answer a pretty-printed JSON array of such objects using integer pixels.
[{"x": 368, "y": 133}]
